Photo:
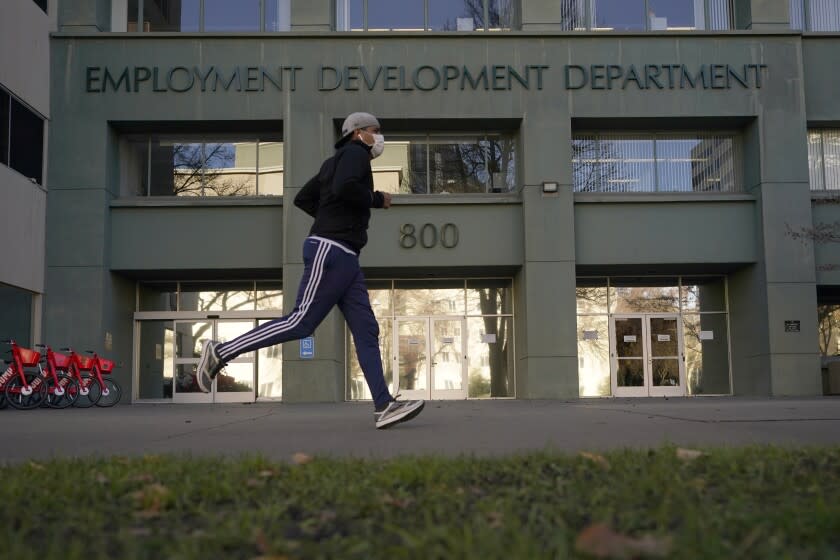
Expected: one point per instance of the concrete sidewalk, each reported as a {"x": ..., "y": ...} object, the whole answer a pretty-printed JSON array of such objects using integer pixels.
[{"x": 444, "y": 428}]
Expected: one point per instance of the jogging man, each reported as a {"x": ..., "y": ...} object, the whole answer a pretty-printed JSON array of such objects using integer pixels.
[{"x": 339, "y": 197}]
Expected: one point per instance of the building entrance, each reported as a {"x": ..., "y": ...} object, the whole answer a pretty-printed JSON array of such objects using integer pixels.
[
  {"x": 647, "y": 355},
  {"x": 430, "y": 361},
  {"x": 234, "y": 384}
]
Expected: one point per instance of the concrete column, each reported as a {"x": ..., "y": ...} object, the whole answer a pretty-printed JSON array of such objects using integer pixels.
[
  {"x": 762, "y": 15},
  {"x": 312, "y": 15},
  {"x": 310, "y": 137},
  {"x": 770, "y": 299},
  {"x": 546, "y": 346}
]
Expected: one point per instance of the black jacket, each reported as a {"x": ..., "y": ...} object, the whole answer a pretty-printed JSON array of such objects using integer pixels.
[{"x": 341, "y": 195}]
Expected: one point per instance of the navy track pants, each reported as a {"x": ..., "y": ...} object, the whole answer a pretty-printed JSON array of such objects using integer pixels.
[{"x": 331, "y": 276}]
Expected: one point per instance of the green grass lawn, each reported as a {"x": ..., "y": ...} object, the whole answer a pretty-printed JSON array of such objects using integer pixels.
[{"x": 762, "y": 502}]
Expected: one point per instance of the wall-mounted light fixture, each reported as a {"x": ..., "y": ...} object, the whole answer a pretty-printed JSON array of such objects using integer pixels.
[{"x": 549, "y": 187}]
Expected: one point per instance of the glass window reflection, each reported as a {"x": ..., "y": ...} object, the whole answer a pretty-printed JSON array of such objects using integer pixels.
[
  {"x": 387, "y": 15},
  {"x": 201, "y": 296},
  {"x": 453, "y": 15},
  {"x": 593, "y": 343},
  {"x": 678, "y": 15},
  {"x": 644, "y": 295},
  {"x": 278, "y": 15},
  {"x": 489, "y": 297},
  {"x": 155, "y": 359},
  {"x": 447, "y": 165},
  {"x": 618, "y": 15},
  {"x": 175, "y": 15},
  {"x": 490, "y": 355},
  {"x": 239, "y": 16}
]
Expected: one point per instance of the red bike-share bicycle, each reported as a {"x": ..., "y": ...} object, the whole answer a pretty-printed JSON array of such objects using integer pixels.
[
  {"x": 22, "y": 389},
  {"x": 96, "y": 387},
  {"x": 62, "y": 388}
]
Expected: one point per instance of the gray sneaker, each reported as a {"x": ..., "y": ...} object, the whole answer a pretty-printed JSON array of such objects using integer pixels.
[
  {"x": 209, "y": 366},
  {"x": 396, "y": 412}
]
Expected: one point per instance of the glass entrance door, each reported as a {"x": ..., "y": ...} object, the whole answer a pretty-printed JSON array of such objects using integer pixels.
[
  {"x": 411, "y": 357},
  {"x": 665, "y": 356},
  {"x": 234, "y": 384},
  {"x": 647, "y": 355},
  {"x": 448, "y": 360},
  {"x": 429, "y": 358}
]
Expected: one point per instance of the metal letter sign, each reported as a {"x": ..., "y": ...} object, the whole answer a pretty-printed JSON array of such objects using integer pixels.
[{"x": 307, "y": 348}]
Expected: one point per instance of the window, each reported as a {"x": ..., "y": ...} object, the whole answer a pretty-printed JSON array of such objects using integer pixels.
[
  {"x": 4, "y": 127},
  {"x": 824, "y": 159},
  {"x": 700, "y": 301},
  {"x": 820, "y": 15},
  {"x": 209, "y": 15},
  {"x": 446, "y": 164},
  {"x": 206, "y": 166},
  {"x": 645, "y": 15},
  {"x": 15, "y": 314},
  {"x": 484, "y": 304},
  {"x": 21, "y": 138},
  {"x": 663, "y": 162},
  {"x": 42, "y": 4},
  {"x": 424, "y": 15}
]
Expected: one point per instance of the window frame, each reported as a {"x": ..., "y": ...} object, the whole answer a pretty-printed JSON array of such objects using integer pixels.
[
  {"x": 822, "y": 172},
  {"x": 342, "y": 19},
  {"x": 590, "y": 24},
  {"x": 656, "y": 136},
  {"x": 803, "y": 11},
  {"x": 203, "y": 139},
  {"x": 445, "y": 138},
  {"x": 201, "y": 20},
  {"x": 13, "y": 100}
]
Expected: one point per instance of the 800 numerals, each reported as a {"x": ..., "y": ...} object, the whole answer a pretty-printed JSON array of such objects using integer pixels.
[{"x": 428, "y": 236}]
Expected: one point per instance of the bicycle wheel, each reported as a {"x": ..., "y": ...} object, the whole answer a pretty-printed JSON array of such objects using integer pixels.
[
  {"x": 89, "y": 392},
  {"x": 113, "y": 390},
  {"x": 16, "y": 392},
  {"x": 64, "y": 394}
]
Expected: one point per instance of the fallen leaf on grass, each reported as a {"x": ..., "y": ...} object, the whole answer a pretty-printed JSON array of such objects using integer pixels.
[
  {"x": 254, "y": 483},
  {"x": 688, "y": 454},
  {"x": 267, "y": 473},
  {"x": 301, "y": 458},
  {"x": 495, "y": 519},
  {"x": 595, "y": 458},
  {"x": 139, "y": 531},
  {"x": 260, "y": 541},
  {"x": 142, "y": 477},
  {"x": 36, "y": 466},
  {"x": 600, "y": 541},
  {"x": 150, "y": 500},
  {"x": 101, "y": 478},
  {"x": 401, "y": 503}
]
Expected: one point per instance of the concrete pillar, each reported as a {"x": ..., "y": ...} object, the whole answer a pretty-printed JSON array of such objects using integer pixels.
[
  {"x": 547, "y": 347},
  {"x": 771, "y": 299},
  {"x": 311, "y": 136}
]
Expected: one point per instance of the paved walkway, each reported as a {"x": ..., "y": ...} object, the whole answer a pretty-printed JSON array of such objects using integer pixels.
[{"x": 447, "y": 428}]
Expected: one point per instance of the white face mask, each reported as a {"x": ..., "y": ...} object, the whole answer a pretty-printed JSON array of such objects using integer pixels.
[{"x": 378, "y": 145}]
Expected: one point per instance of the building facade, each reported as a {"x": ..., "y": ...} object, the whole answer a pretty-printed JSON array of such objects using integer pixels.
[
  {"x": 24, "y": 112},
  {"x": 591, "y": 198}
]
